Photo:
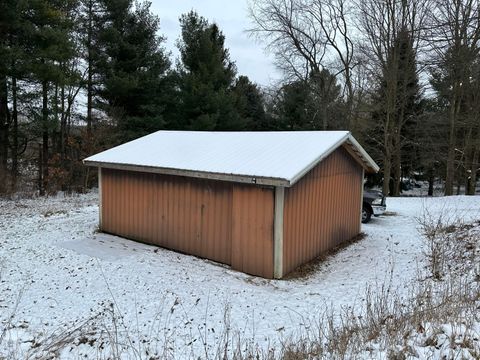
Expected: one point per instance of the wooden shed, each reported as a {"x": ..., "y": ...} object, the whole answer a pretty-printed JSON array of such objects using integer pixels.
[{"x": 262, "y": 202}]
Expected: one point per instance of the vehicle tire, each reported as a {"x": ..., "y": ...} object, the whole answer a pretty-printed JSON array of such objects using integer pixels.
[{"x": 366, "y": 214}]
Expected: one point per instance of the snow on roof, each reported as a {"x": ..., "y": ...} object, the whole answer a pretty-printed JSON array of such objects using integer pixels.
[{"x": 273, "y": 158}]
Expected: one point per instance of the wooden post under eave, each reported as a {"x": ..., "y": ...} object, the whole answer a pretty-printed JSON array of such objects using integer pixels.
[
  {"x": 100, "y": 198},
  {"x": 278, "y": 232}
]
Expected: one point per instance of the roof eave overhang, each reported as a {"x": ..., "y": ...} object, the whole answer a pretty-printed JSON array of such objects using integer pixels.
[
  {"x": 355, "y": 150},
  {"x": 347, "y": 141},
  {"x": 247, "y": 179},
  {"x": 367, "y": 162}
]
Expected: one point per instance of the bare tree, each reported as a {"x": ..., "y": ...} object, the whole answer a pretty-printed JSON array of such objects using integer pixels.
[
  {"x": 382, "y": 24},
  {"x": 308, "y": 36},
  {"x": 454, "y": 35}
]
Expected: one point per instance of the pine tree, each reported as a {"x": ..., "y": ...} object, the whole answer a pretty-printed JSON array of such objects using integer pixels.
[
  {"x": 249, "y": 103},
  {"x": 134, "y": 70},
  {"x": 309, "y": 104},
  {"x": 292, "y": 108},
  {"x": 396, "y": 107},
  {"x": 48, "y": 46},
  {"x": 92, "y": 14},
  {"x": 7, "y": 27},
  {"x": 205, "y": 78}
]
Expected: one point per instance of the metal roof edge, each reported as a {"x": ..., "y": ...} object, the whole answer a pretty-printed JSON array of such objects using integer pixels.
[
  {"x": 368, "y": 162},
  {"x": 246, "y": 179},
  {"x": 315, "y": 162},
  {"x": 367, "y": 159}
]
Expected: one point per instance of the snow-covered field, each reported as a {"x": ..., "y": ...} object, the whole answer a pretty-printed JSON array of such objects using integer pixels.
[{"x": 57, "y": 271}]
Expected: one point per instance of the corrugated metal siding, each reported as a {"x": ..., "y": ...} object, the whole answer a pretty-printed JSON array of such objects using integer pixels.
[
  {"x": 189, "y": 215},
  {"x": 252, "y": 233},
  {"x": 322, "y": 209}
]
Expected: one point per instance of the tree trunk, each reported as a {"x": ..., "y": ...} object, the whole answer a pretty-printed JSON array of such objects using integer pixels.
[
  {"x": 90, "y": 71},
  {"x": 397, "y": 165},
  {"x": 451, "y": 144},
  {"x": 352, "y": 120},
  {"x": 89, "y": 99},
  {"x": 56, "y": 137},
  {"x": 473, "y": 173},
  {"x": 4, "y": 129},
  {"x": 431, "y": 180},
  {"x": 14, "y": 134},
  {"x": 63, "y": 125},
  {"x": 45, "y": 136},
  {"x": 387, "y": 167},
  {"x": 324, "y": 116}
]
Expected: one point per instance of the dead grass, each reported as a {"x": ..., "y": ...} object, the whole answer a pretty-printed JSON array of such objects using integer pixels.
[
  {"x": 435, "y": 318},
  {"x": 306, "y": 270},
  {"x": 438, "y": 318}
]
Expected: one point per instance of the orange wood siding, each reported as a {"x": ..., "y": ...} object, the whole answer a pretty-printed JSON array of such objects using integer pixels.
[
  {"x": 322, "y": 209},
  {"x": 252, "y": 233},
  {"x": 193, "y": 216}
]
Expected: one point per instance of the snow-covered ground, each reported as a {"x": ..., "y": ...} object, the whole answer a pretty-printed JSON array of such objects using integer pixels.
[{"x": 56, "y": 271}]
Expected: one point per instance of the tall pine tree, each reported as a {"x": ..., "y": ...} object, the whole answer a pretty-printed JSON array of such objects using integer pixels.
[
  {"x": 249, "y": 103},
  {"x": 206, "y": 75},
  {"x": 396, "y": 101},
  {"x": 47, "y": 27},
  {"x": 134, "y": 70}
]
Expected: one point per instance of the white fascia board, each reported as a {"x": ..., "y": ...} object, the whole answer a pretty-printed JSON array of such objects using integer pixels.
[
  {"x": 368, "y": 160},
  {"x": 319, "y": 159}
]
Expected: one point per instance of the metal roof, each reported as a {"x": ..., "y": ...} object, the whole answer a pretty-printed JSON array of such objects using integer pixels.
[{"x": 278, "y": 158}]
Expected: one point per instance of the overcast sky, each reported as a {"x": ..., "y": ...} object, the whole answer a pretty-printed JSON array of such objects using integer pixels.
[{"x": 232, "y": 18}]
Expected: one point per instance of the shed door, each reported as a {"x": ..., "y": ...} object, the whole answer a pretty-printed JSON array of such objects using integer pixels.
[{"x": 252, "y": 230}]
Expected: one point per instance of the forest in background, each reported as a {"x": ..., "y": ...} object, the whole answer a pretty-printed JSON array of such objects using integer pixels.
[{"x": 81, "y": 76}]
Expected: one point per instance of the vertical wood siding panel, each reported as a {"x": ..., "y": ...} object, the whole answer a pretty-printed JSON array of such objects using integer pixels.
[
  {"x": 121, "y": 219},
  {"x": 252, "y": 229},
  {"x": 303, "y": 207},
  {"x": 105, "y": 200},
  {"x": 126, "y": 210},
  {"x": 319, "y": 211},
  {"x": 166, "y": 211},
  {"x": 137, "y": 204},
  {"x": 137, "y": 186},
  {"x": 115, "y": 202},
  {"x": 129, "y": 211},
  {"x": 315, "y": 211},
  {"x": 322, "y": 209},
  {"x": 151, "y": 209}
]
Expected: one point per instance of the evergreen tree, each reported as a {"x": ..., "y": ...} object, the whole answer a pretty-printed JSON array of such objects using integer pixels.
[
  {"x": 309, "y": 104},
  {"x": 7, "y": 28},
  {"x": 134, "y": 70},
  {"x": 323, "y": 100},
  {"x": 205, "y": 78},
  {"x": 292, "y": 107},
  {"x": 47, "y": 27},
  {"x": 249, "y": 103},
  {"x": 397, "y": 105},
  {"x": 460, "y": 66},
  {"x": 91, "y": 20}
]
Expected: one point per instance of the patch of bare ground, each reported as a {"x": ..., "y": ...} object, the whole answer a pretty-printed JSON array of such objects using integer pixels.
[{"x": 306, "y": 270}]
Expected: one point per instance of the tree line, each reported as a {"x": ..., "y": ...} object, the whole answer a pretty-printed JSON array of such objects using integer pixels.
[
  {"x": 402, "y": 75},
  {"x": 80, "y": 76}
]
